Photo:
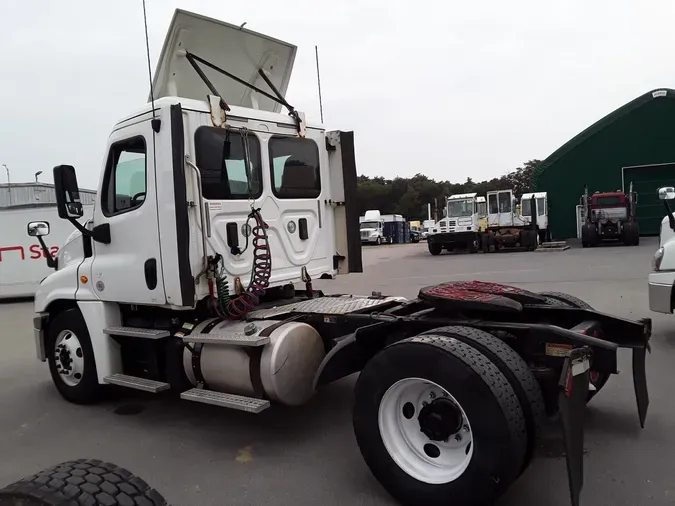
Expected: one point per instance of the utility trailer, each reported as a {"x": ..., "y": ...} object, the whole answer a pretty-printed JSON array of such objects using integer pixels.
[
  {"x": 610, "y": 216},
  {"x": 454, "y": 384}
]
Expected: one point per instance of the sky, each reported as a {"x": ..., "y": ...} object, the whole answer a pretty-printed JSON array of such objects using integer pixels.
[{"x": 447, "y": 89}]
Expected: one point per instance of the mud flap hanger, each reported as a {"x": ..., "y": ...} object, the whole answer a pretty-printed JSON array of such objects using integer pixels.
[
  {"x": 572, "y": 397},
  {"x": 573, "y": 392},
  {"x": 298, "y": 118}
]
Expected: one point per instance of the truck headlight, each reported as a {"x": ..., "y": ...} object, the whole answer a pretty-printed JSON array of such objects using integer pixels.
[
  {"x": 373, "y": 234},
  {"x": 658, "y": 258}
]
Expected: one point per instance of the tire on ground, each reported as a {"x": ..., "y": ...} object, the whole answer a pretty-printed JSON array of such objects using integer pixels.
[
  {"x": 435, "y": 248},
  {"x": 516, "y": 371},
  {"x": 88, "y": 390},
  {"x": 589, "y": 235},
  {"x": 486, "y": 396},
  {"x": 598, "y": 380},
  {"x": 631, "y": 233},
  {"x": 81, "y": 482},
  {"x": 485, "y": 243}
]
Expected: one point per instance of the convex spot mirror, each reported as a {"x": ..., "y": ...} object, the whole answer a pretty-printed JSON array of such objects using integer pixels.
[
  {"x": 38, "y": 228},
  {"x": 666, "y": 193}
]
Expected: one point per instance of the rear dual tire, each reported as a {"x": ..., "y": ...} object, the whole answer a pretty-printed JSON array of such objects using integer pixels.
[{"x": 449, "y": 378}]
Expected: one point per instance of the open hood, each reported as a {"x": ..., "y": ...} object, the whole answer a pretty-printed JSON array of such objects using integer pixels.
[{"x": 236, "y": 50}]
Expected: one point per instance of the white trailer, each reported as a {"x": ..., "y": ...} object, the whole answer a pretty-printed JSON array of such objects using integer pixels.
[{"x": 22, "y": 259}]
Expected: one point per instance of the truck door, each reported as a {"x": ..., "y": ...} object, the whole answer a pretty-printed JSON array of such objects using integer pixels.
[
  {"x": 501, "y": 208},
  {"x": 129, "y": 268},
  {"x": 298, "y": 209}
]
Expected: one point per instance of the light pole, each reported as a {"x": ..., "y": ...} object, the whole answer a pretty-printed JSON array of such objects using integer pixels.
[
  {"x": 9, "y": 188},
  {"x": 37, "y": 174}
]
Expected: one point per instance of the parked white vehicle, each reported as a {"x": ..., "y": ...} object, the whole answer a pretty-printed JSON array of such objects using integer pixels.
[
  {"x": 662, "y": 278},
  {"x": 371, "y": 228},
  {"x": 22, "y": 259},
  {"x": 461, "y": 226}
]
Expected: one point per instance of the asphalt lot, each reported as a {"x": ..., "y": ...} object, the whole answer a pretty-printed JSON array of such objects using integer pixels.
[{"x": 198, "y": 455}]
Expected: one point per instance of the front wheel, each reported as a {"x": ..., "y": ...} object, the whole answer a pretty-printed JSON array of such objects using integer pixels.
[
  {"x": 435, "y": 248},
  {"x": 379, "y": 241},
  {"x": 435, "y": 419},
  {"x": 71, "y": 358}
]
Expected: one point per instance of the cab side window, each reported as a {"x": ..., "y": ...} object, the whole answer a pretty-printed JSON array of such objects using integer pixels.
[{"x": 125, "y": 184}]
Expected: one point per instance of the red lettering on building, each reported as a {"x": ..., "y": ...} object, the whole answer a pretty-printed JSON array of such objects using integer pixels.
[
  {"x": 36, "y": 251},
  {"x": 13, "y": 248}
]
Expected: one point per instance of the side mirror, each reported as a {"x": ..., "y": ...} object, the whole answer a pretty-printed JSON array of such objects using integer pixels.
[
  {"x": 67, "y": 193},
  {"x": 38, "y": 228},
  {"x": 666, "y": 193},
  {"x": 445, "y": 211}
]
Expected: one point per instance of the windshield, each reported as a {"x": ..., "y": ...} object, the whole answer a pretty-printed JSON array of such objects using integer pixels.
[
  {"x": 460, "y": 208},
  {"x": 368, "y": 224},
  {"x": 608, "y": 201}
]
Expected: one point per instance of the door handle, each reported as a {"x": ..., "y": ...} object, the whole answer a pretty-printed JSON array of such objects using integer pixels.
[
  {"x": 232, "y": 232},
  {"x": 150, "y": 269},
  {"x": 302, "y": 229}
]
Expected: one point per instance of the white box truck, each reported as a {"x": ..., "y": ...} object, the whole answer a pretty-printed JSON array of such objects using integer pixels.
[{"x": 22, "y": 260}]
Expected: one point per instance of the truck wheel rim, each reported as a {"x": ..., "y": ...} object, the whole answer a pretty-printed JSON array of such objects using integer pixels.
[
  {"x": 69, "y": 358},
  {"x": 425, "y": 430}
]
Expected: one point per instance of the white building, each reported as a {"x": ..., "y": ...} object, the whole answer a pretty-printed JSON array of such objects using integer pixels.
[{"x": 21, "y": 194}]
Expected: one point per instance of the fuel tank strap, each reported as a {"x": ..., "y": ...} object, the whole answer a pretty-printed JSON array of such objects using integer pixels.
[{"x": 197, "y": 355}]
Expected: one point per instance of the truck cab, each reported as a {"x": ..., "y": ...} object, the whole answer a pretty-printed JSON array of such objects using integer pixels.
[
  {"x": 662, "y": 278},
  {"x": 211, "y": 201},
  {"x": 514, "y": 225},
  {"x": 371, "y": 228},
  {"x": 460, "y": 228}
]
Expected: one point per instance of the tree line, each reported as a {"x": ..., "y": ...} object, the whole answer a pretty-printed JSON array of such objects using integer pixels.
[{"x": 410, "y": 196}]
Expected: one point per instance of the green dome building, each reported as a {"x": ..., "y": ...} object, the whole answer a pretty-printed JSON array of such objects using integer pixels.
[{"x": 634, "y": 143}]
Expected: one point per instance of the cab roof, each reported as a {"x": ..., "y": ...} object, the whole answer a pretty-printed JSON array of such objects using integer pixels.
[
  {"x": 462, "y": 196},
  {"x": 241, "y": 113},
  {"x": 537, "y": 195}
]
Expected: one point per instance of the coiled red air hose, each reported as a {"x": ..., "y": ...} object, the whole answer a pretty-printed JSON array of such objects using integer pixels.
[{"x": 261, "y": 272}]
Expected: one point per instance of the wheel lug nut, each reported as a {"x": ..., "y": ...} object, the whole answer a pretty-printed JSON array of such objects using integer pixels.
[
  {"x": 458, "y": 438},
  {"x": 466, "y": 428},
  {"x": 432, "y": 395}
]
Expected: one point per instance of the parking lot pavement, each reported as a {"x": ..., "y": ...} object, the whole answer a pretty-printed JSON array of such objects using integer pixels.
[{"x": 199, "y": 455}]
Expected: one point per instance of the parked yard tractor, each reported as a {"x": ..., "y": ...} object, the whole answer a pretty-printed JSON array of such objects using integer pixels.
[{"x": 609, "y": 216}]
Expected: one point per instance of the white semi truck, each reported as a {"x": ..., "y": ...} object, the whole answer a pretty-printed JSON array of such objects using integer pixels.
[
  {"x": 371, "y": 228},
  {"x": 212, "y": 205},
  {"x": 461, "y": 226}
]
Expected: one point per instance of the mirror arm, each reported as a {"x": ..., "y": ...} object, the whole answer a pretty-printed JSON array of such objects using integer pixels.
[
  {"x": 100, "y": 233},
  {"x": 51, "y": 261}
]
